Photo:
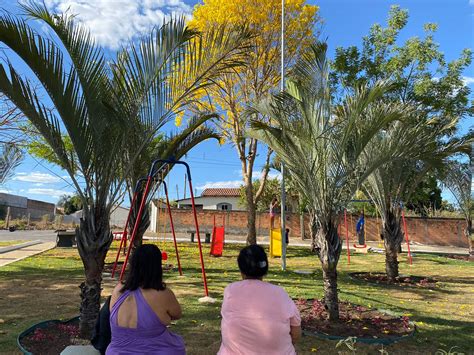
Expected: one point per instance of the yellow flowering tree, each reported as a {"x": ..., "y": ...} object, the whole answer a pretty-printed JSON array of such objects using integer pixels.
[{"x": 234, "y": 91}]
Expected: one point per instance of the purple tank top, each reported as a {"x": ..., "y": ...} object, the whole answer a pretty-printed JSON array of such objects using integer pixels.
[{"x": 149, "y": 337}]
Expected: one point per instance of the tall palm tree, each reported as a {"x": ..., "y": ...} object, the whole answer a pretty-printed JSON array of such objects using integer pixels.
[
  {"x": 174, "y": 147},
  {"x": 421, "y": 148},
  {"x": 458, "y": 180},
  {"x": 323, "y": 146},
  {"x": 96, "y": 104}
]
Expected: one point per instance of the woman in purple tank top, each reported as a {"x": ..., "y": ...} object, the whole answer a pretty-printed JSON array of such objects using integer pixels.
[{"x": 142, "y": 308}]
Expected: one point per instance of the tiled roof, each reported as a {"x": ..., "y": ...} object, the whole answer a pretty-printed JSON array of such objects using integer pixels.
[{"x": 225, "y": 191}]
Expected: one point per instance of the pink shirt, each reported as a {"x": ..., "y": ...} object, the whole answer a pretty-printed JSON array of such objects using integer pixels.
[{"x": 256, "y": 319}]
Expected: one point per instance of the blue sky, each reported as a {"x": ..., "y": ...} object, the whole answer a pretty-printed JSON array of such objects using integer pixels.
[{"x": 345, "y": 22}]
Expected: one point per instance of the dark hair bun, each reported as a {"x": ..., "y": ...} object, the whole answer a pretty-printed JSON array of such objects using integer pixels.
[{"x": 253, "y": 262}]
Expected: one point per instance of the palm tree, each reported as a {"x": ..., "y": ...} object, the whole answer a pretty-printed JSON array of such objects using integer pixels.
[
  {"x": 458, "y": 180},
  {"x": 175, "y": 147},
  {"x": 10, "y": 157},
  {"x": 420, "y": 149},
  {"x": 323, "y": 146},
  {"x": 96, "y": 104}
]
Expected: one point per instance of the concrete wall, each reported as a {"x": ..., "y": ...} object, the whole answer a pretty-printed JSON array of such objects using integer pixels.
[
  {"x": 118, "y": 217},
  {"x": 21, "y": 206},
  {"x": 433, "y": 231}
]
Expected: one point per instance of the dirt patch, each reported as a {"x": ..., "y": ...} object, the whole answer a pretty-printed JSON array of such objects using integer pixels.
[
  {"x": 469, "y": 258},
  {"x": 381, "y": 278},
  {"x": 355, "y": 321},
  {"x": 51, "y": 339},
  {"x": 108, "y": 267}
]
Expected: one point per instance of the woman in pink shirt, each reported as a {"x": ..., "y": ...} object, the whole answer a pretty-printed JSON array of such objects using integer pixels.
[{"x": 257, "y": 317}]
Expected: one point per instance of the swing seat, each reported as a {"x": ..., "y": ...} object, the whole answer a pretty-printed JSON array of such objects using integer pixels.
[{"x": 361, "y": 248}]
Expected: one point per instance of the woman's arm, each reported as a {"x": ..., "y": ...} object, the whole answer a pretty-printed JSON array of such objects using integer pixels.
[
  {"x": 174, "y": 308},
  {"x": 295, "y": 333}
]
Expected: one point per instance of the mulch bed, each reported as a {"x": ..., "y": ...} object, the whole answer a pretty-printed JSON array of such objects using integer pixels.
[
  {"x": 52, "y": 339},
  {"x": 461, "y": 257},
  {"x": 381, "y": 278},
  {"x": 355, "y": 321}
]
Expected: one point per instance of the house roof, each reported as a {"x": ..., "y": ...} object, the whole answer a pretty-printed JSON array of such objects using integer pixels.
[{"x": 220, "y": 192}]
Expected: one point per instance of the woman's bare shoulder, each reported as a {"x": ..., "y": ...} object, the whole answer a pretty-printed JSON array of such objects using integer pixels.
[{"x": 117, "y": 289}]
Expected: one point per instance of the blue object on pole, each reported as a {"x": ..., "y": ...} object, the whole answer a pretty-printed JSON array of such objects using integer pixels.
[{"x": 360, "y": 224}]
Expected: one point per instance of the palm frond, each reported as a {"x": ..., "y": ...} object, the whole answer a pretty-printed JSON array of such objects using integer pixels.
[{"x": 10, "y": 157}]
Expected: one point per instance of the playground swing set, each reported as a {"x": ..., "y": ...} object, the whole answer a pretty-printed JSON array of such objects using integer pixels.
[{"x": 144, "y": 188}]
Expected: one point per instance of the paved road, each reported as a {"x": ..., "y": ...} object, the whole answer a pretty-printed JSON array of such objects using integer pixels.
[{"x": 44, "y": 236}]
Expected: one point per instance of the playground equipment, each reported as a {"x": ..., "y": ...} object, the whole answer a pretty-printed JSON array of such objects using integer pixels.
[
  {"x": 406, "y": 236},
  {"x": 218, "y": 237},
  {"x": 275, "y": 242},
  {"x": 143, "y": 189},
  {"x": 364, "y": 247}
]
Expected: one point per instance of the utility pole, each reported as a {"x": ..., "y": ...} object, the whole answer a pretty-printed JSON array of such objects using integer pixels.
[{"x": 283, "y": 193}]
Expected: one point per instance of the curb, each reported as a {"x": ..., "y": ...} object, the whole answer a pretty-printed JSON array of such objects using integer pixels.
[{"x": 19, "y": 246}]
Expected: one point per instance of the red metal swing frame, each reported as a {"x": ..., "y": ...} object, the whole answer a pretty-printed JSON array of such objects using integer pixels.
[{"x": 150, "y": 180}]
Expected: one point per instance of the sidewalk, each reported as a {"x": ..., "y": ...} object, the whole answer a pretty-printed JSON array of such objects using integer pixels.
[
  {"x": 375, "y": 245},
  {"x": 19, "y": 254}
]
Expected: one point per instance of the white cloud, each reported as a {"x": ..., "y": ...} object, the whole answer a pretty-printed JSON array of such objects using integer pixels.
[
  {"x": 112, "y": 22},
  {"x": 37, "y": 177},
  {"x": 220, "y": 184},
  {"x": 271, "y": 175},
  {"x": 49, "y": 192},
  {"x": 258, "y": 174},
  {"x": 468, "y": 80},
  {"x": 4, "y": 191}
]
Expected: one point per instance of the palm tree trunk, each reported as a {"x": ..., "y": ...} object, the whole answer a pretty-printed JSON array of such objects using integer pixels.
[
  {"x": 393, "y": 237},
  {"x": 313, "y": 229},
  {"x": 144, "y": 223},
  {"x": 329, "y": 244},
  {"x": 93, "y": 242}
]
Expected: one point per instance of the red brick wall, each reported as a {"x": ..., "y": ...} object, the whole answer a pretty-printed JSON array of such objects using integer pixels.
[{"x": 435, "y": 231}]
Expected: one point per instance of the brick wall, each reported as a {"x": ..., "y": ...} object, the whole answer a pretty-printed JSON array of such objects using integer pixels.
[{"x": 434, "y": 231}]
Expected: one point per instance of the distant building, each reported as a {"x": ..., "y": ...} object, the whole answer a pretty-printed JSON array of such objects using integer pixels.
[
  {"x": 221, "y": 199},
  {"x": 22, "y": 207},
  {"x": 118, "y": 217}
]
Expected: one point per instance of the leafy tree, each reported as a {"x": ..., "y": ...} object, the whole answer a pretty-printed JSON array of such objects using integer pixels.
[
  {"x": 426, "y": 197},
  {"x": 260, "y": 76},
  {"x": 418, "y": 68},
  {"x": 70, "y": 204},
  {"x": 458, "y": 180},
  {"x": 97, "y": 104},
  {"x": 327, "y": 154},
  {"x": 272, "y": 189}
]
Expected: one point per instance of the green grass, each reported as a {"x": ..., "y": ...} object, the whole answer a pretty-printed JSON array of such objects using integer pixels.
[{"x": 45, "y": 287}]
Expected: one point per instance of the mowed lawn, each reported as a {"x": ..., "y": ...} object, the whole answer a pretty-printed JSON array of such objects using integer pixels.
[{"x": 46, "y": 287}]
